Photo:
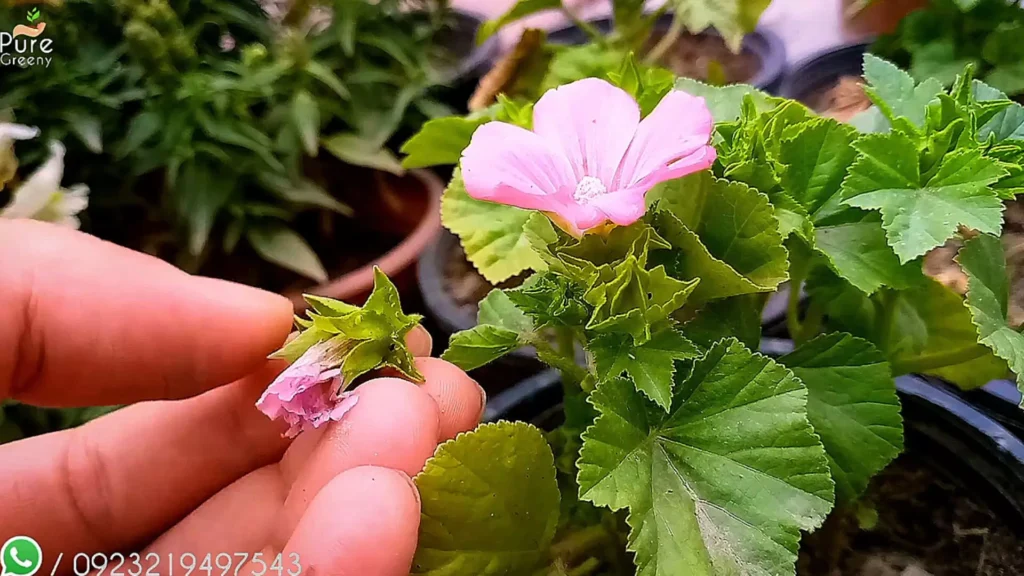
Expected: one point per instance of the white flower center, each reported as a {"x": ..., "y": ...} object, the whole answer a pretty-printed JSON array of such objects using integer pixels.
[{"x": 588, "y": 189}]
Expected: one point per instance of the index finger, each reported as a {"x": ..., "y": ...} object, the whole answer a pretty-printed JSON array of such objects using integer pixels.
[{"x": 86, "y": 322}]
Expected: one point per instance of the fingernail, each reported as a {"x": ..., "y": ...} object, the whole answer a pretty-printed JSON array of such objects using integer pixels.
[
  {"x": 483, "y": 400},
  {"x": 415, "y": 489}
]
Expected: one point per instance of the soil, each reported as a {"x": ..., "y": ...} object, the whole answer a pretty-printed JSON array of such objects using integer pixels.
[
  {"x": 466, "y": 285},
  {"x": 697, "y": 55},
  {"x": 926, "y": 526},
  {"x": 939, "y": 263},
  {"x": 843, "y": 100}
]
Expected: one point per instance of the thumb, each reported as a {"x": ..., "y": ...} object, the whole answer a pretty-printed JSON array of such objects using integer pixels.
[{"x": 363, "y": 522}]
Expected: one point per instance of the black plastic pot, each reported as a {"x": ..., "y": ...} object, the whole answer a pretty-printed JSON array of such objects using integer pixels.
[
  {"x": 961, "y": 443},
  {"x": 821, "y": 71},
  {"x": 474, "y": 60},
  {"x": 765, "y": 45}
]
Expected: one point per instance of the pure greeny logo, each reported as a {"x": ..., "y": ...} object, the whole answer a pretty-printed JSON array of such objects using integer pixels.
[
  {"x": 23, "y": 46},
  {"x": 20, "y": 556}
]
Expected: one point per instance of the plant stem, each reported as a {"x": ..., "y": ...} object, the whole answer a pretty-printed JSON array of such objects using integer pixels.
[
  {"x": 572, "y": 373},
  {"x": 887, "y": 316},
  {"x": 667, "y": 41},
  {"x": 588, "y": 567},
  {"x": 793, "y": 308},
  {"x": 587, "y": 28},
  {"x": 578, "y": 543},
  {"x": 939, "y": 359},
  {"x": 811, "y": 324}
]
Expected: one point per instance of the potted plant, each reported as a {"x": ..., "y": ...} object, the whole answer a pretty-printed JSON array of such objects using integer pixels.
[
  {"x": 453, "y": 284},
  {"x": 211, "y": 118},
  {"x": 655, "y": 221}
]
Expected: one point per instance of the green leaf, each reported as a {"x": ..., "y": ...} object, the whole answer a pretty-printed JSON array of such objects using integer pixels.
[
  {"x": 725, "y": 234},
  {"x": 650, "y": 366},
  {"x": 551, "y": 299},
  {"x": 988, "y": 293},
  {"x": 282, "y": 246},
  {"x": 303, "y": 191},
  {"x": 937, "y": 61},
  {"x": 88, "y": 129},
  {"x": 360, "y": 151},
  {"x": 721, "y": 484},
  {"x": 489, "y": 503},
  {"x": 493, "y": 235},
  {"x": 629, "y": 299},
  {"x": 571, "y": 63},
  {"x": 858, "y": 252},
  {"x": 1008, "y": 123},
  {"x": 329, "y": 78},
  {"x": 895, "y": 93},
  {"x": 497, "y": 309},
  {"x": 920, "y": 212},
  {"x": 816, "y": 160},
  {"x": 306, "y": 118},
  {"x": 733, "y": 19},
  {"x": 1007, "y": 77},
  {"x": 852, "y": 404},
  {"x": 440, "y": 141},
  {"x": 202, "y": 192},
  {"x": 725, "y": 102},
  {"x": 521, "y": 9},
  {"x": 480, "y": 345},
  {"x": 736, "y": 317}
]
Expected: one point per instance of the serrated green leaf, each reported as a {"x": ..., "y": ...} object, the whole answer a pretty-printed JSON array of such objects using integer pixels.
[
  {"x": 724, "y": 233},
  {"x": 497, "y": 309},
  {"x": 859, "y": 253},
  {"x": 493, "y": 235},
  {"x": 480, "y": 345},
  {"x": 937, "y": 61},
  {"x": 551, "y": 299},
  {"x": 722, "y": 484},
  {"x": 736, "y": 317},
  {"x": 329, "y": 306},
  {"x": 816, "y": 160},
  {"x": 895, "y": 93},
  {"x": 852, "y": 404},
  {"x": 650, "y": 366},
  {"x": 988, "y": 293},
  {"x": 920, "y": 212},
  {"x": 725, "y": 102},
  {"x": 628, "y": 299},
  {"x": 489, "y": 503},
  {"x": 440, "y": 141},
  {"x": 1008, "y": 124}
]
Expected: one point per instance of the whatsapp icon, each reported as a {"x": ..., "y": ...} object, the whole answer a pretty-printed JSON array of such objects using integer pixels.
[{"x": 20, "y": 556}]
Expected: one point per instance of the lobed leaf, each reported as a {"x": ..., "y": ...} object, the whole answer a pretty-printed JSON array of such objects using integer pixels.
[
  {"x": 721, "y": 484},
  {"x": 988, "y": 292},
  {"x": 650, "y": 366},
  {"x": 494, "y": 236},
  {"x": 852, "y": 404}
]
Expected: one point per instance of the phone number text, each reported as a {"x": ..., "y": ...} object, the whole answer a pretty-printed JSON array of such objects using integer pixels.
[{"x": 186, "y": 564}]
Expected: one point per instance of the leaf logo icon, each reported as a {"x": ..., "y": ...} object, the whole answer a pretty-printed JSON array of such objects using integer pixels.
[{"x": 33, "y": 15}]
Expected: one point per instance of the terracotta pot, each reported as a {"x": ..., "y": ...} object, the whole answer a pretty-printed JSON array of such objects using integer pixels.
[
  {"x": 423, "y": 211},
  {"x": 880, "y": 17}
]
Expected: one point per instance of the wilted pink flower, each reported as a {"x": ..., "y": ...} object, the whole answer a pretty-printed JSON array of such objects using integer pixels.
[
  {"x": 303, "y": 395},
  {"x": 589, "y": 158}
]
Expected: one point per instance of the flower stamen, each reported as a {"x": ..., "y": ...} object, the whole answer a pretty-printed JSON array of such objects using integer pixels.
[{"x": 588, "y": 189}]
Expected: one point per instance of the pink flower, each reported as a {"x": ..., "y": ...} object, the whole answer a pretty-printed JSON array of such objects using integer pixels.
[
  {"x": 303, "y": 395},
  {"x": 589, "y": 158}
]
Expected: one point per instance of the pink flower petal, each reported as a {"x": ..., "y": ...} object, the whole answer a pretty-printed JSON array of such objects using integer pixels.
[
  {"x": 510, "y": 165},
  {"x": 670, "y": 143},
  {"x": 622, "y": 207},
  {"x": 591, "y": 122}
]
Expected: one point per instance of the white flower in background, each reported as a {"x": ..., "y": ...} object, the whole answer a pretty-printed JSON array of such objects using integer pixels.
[
  {"x": 40, "y": 197},
  {"x": 8, "y": 161}
]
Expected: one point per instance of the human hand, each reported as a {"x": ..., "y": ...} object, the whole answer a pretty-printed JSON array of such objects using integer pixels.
[{"x": 194, "y": 467}]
